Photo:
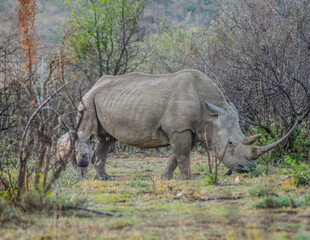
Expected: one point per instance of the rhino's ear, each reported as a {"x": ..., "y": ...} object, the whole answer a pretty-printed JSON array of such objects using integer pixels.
[{"x": 214, "y": 110}]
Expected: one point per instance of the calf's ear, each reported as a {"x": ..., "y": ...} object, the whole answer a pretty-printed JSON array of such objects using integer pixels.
[{"x": 214, "y": 110}]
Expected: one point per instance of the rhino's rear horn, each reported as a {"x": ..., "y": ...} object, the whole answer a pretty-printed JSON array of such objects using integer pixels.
[
  {"x": 250, "y": 140},
  {"x": 256, "y": 152}
]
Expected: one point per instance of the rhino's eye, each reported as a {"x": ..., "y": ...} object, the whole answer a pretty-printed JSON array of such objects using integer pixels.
[{"x": 230, "y": 143}]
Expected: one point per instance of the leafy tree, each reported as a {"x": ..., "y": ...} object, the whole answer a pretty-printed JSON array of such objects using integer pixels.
[{"x": 106, "y": 35}]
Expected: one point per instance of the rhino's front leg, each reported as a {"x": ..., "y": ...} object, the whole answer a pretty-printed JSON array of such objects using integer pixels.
[
  {"x": 181, "y": 145},
  {"x": 171, "y": 166},
  {"x": 99, "y": 157}
]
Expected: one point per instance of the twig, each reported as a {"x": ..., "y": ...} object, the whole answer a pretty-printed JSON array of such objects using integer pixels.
[
  {"x": 58, "y": 115},
  {"x": 37, "y": 111},
  {"x": 208, "y": 152},
  {"x": 223, "y": 153},
  {"x": 216, "y": 156},
  {"x": 90, "y": 210},
  {"x": 219, "y": 198}
]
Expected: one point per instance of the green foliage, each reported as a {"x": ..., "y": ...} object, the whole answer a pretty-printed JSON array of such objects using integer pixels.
[
  {"x": 210, "y": 179},
  {"x": 273, "y": 156},
  {"x": 301, "y": 143},
  {"x": 299, "y": 170},
  {"x": 107, "y": 34},
  {"x": 259, "y": 170},
  {"x": 296, "y": 157}
]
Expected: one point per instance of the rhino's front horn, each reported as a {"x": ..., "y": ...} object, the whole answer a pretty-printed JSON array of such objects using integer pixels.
[
  {"x": 258, "y": 151},
  {"x": 250, "y": 140}
]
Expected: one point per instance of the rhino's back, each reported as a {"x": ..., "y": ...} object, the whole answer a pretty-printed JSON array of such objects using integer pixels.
[{"x": 144, "y": 110}]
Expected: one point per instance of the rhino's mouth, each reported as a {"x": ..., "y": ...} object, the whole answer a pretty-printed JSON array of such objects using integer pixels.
[
  {"x": 83, "y": 161},
  {"x": 245, "y": 168},
  {"x": 241, "y": 169}
]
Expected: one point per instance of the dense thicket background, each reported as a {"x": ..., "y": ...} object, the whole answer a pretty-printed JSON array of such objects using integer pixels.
[{"x": 51, "y": 53}]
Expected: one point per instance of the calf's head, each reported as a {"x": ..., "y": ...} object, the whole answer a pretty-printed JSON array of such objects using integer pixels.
[
  {"x": 82, "y": 150},
  {"x": 75, "y": 148},
  {"x": 233, "y": 147}
]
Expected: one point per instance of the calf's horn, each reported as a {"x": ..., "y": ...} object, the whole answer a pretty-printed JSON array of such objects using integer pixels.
[
  {"x": 250, "y": 140},
  {"x": 258, "y": 151}
]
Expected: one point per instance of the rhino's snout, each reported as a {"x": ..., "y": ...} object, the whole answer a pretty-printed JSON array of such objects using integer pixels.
[
  {"x": 245, "y": 168},
  {"x": 84, "y": 161}
]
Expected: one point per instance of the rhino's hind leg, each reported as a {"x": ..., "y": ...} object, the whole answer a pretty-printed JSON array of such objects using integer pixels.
[
  {"x": 100, "y": 155},
  {"x": 171, "y": 166},
  {"x": 181, "y": 144}
]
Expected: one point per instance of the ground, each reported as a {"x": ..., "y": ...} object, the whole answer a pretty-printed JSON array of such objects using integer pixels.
[{"x": 146, "y": 207}]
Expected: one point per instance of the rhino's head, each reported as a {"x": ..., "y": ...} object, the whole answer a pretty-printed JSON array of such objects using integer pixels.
[{"x": 226, "y": 134}]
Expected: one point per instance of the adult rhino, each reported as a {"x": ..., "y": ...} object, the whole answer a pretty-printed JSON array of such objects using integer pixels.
[{"x": 150, "y": 111}]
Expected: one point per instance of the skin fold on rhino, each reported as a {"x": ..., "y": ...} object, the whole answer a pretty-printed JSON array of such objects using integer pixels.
[{"x": 148, "y": 111}]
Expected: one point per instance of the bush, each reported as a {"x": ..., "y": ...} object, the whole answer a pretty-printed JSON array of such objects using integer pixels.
[
  {"x": 299, "y": 170},
  {"x": 210, "y": 179},
  {"x": 36, "y": 200},
  {"x": 294, "y": 160},
  {"x": 7, "y": 211},
  {"x": 274, "y": 202},
  {"x": 284, "y": 201},
  {"x": 259, "y": 170}
]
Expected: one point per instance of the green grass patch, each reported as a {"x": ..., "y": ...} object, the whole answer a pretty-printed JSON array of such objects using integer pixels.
[
  {"x": 260, "y": 190},
  {"x": 274, "y": 202}
]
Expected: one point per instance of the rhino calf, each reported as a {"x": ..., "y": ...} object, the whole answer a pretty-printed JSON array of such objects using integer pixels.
[
  {"x": 75, "y": 152},
  {"x": 149, "y": 111}
]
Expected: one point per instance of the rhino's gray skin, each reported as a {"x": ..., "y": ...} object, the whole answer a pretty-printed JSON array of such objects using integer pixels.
[{"x": 176, "y": 109}]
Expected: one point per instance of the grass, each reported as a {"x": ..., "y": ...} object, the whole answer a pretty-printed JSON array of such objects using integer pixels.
[{"x": 147, "y": 207}]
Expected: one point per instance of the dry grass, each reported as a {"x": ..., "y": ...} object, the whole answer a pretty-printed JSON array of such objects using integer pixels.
[{"x": 147, "y": 207}]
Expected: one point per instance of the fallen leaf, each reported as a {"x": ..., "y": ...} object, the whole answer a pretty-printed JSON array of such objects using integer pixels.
[{"x": 237, "y": 180}]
